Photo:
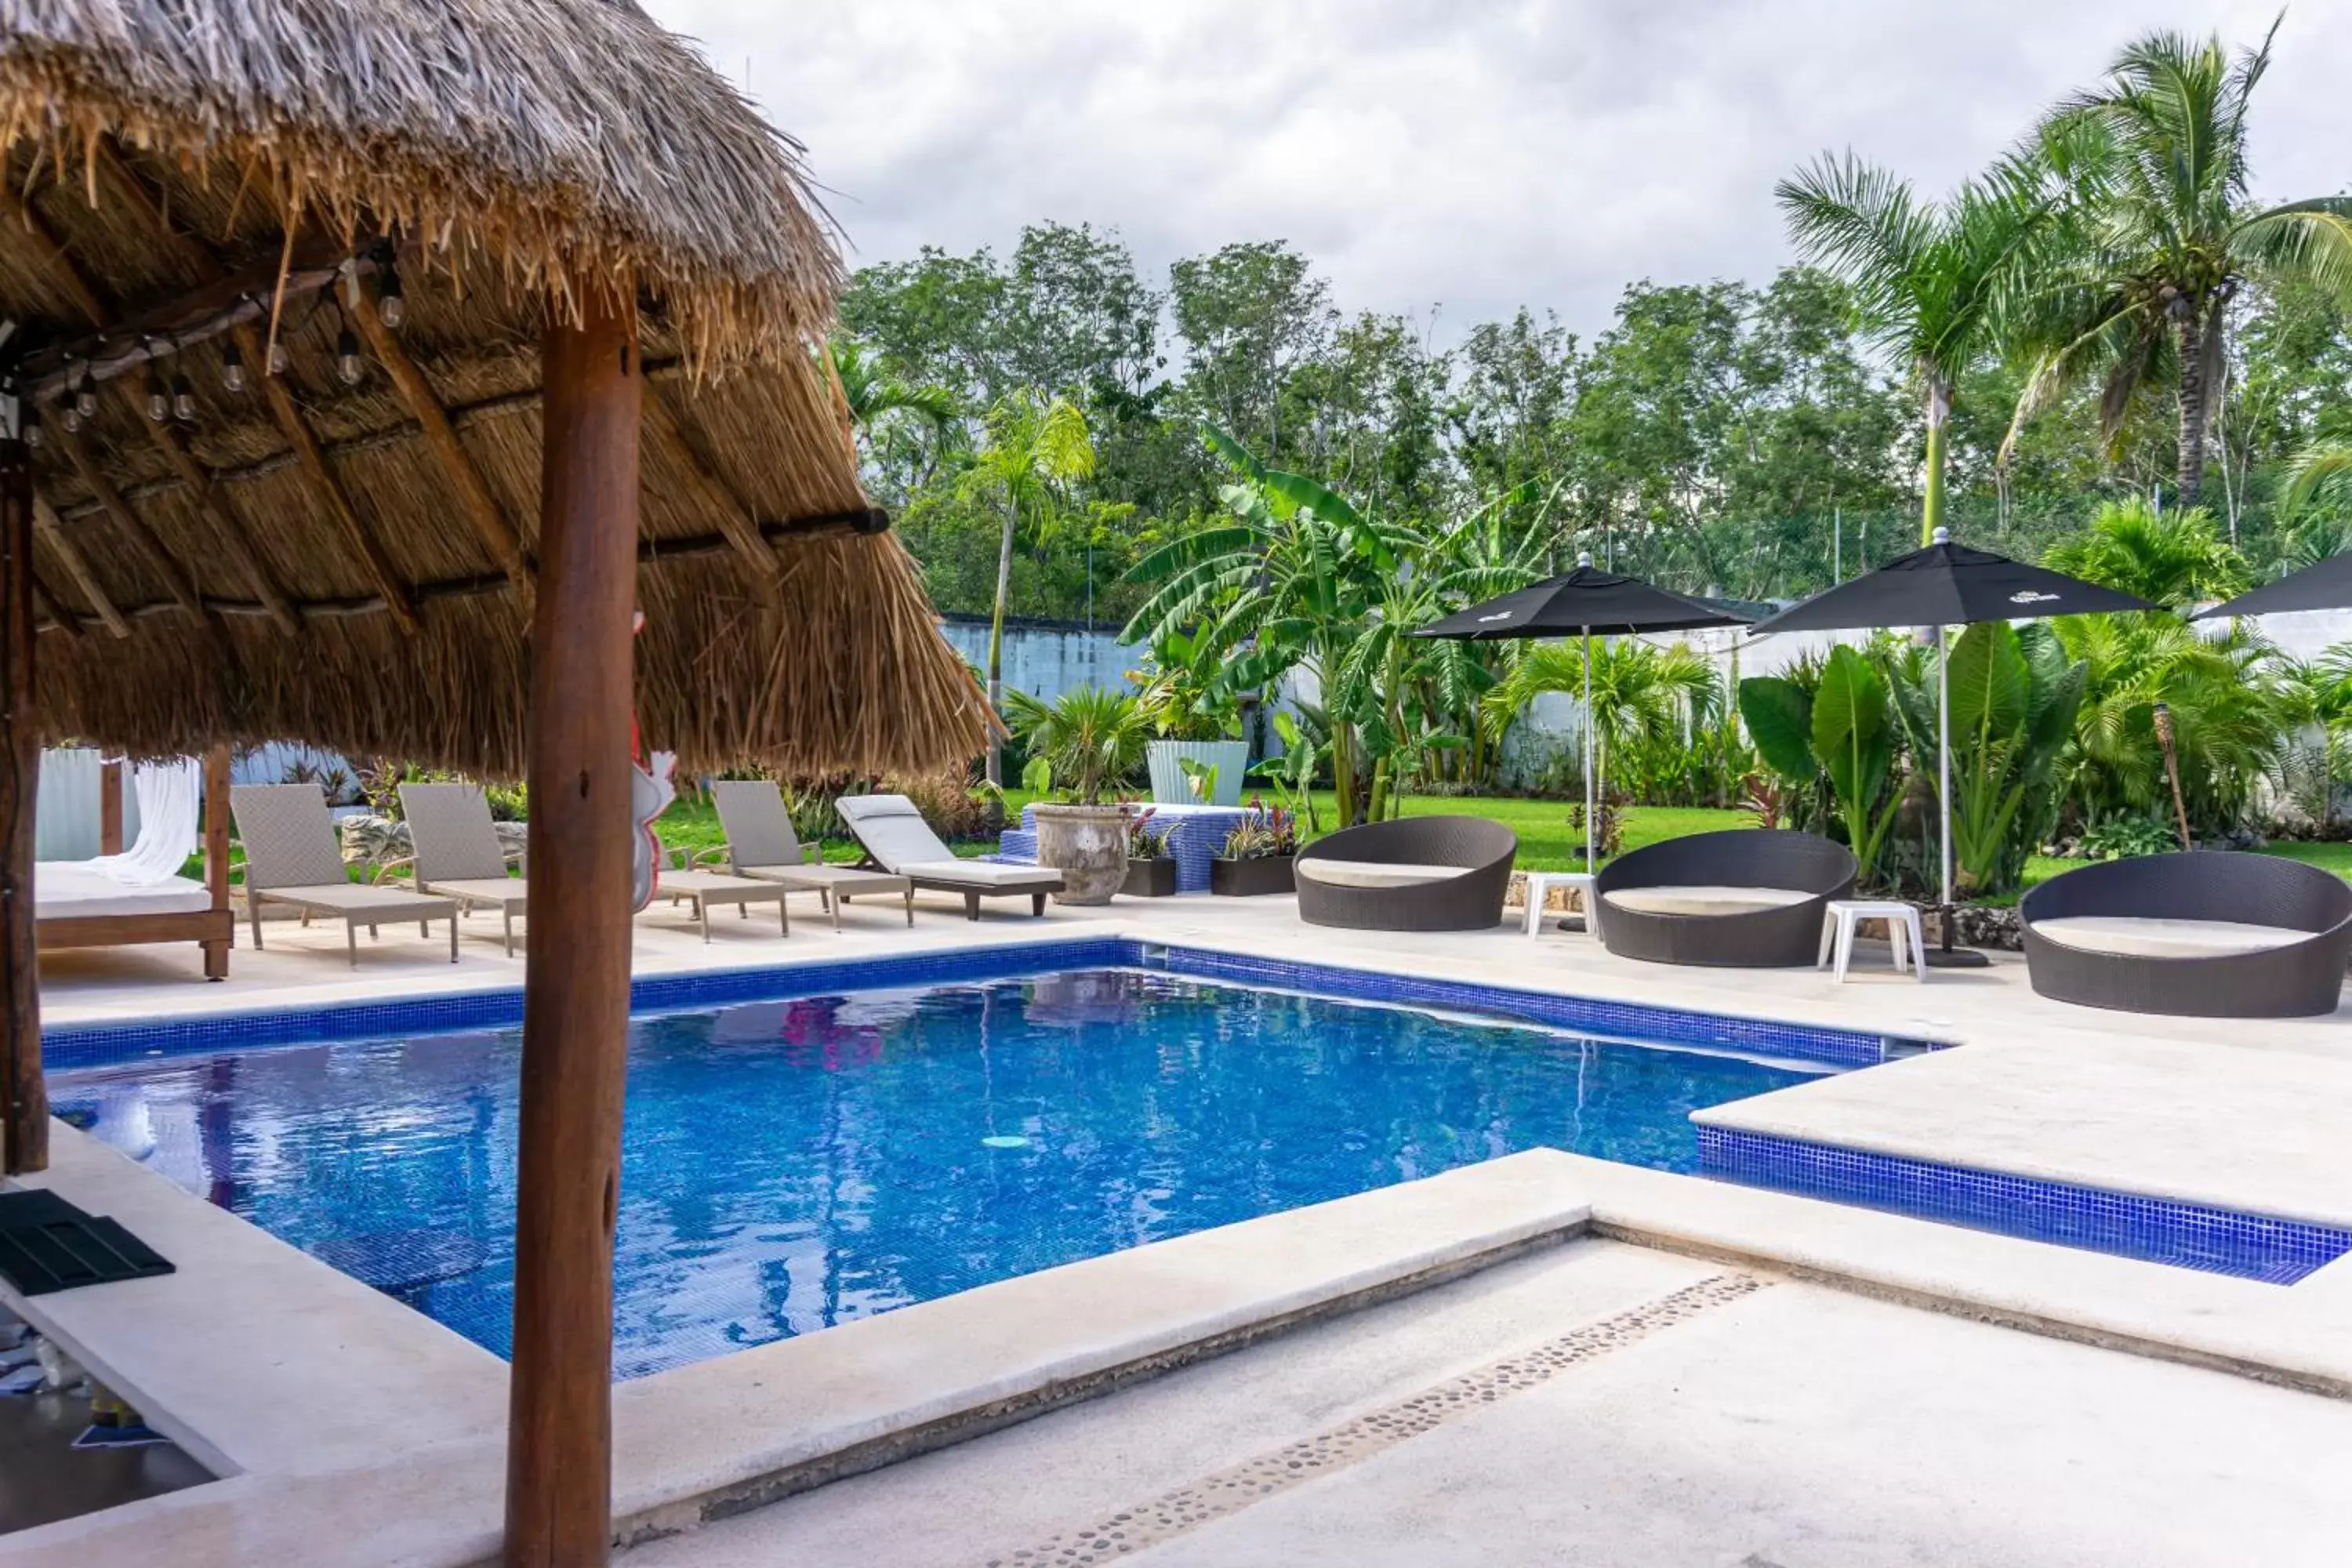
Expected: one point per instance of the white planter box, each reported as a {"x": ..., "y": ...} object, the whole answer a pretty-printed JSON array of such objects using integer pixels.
[{"x": 1170, "y": 787}]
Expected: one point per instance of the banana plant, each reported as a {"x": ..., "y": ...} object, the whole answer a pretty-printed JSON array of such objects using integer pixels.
[{"x": 1842, "y": 730}]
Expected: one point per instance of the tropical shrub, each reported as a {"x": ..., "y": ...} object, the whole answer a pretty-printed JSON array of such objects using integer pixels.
[
  {"x": 2123, "y": 837},
  {"x": 1266, "y": 831}
]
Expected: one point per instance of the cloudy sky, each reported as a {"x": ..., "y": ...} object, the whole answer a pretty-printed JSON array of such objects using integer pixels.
[{"x": 1461, "y": 156}]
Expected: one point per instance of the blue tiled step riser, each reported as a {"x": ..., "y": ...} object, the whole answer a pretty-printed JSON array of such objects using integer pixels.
[{"x": 2162, "y": 1230}]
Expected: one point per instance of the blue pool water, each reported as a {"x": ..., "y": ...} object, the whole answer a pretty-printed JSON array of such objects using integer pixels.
[{"x": 790, "y": 1165}]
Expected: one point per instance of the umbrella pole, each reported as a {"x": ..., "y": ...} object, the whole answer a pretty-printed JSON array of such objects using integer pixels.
[
  {"x": 1591, "y": 826},
  {"x": 1945, "y": 956}
]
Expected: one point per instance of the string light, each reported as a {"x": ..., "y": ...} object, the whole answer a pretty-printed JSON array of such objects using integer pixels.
[
  {"x": 85, "y": 403},
  {"x": 159, "y": 397},
  {"x": 278, "y": 358},
  {"x": 391, "y": 308},
  {"x": 28, "y": 423},
  {"x": 70, "y": 417},
  {"x": 348, "y": 363},
  {"x": 232, "y": 367},
  {"x": 184, "y": 399}
]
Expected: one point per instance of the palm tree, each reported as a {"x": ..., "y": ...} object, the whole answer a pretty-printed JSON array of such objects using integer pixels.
[
  {"x": 873, "y": 391},
  {"x": 2322, "y": 470},
  {"x": 2224, "y": 716},
  {"x": 1643, "y": 695},
  {"x": 1932, "y": 281},
  {"x": 2173, "y": 558},
  {"x": 2163, "y": 235},
  {"x": 1035, "y": 447}
]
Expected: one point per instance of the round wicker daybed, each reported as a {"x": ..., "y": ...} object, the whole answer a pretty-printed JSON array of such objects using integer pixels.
[
  {"x": 1747, "y": 897},
  {"x": 1420, "y": 873},
  {"x": 2209, "y": 935}
]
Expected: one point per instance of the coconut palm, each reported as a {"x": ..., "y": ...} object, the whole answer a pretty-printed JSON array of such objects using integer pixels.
[
  {"x": 2224, "y": 718},
  {"x": 1932, "y": 281},
  {"x": 2163, "y": 235},
  {"x": 1034, "y": 447},
  {"x": 2173, "y": 558},
  {"x": 2322, "y": 471},
  {"x": 873, "y": 391}
]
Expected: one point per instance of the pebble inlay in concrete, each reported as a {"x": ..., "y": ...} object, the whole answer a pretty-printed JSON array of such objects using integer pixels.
[{"x": 1230, "y": 1490}]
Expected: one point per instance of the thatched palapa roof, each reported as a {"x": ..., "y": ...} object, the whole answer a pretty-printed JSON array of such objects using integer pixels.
[{"x": 192, "y": 186}]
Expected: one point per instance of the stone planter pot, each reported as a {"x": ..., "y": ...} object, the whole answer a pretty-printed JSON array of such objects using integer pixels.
[
  {"x": 1153, "y": 879},
  {"x": 1088, "y": 844},
  {"x": 1166, "y": 761},
  {"x": 1249, "y": 879}
]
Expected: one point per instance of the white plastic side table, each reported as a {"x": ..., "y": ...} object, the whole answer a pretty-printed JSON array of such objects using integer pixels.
[
  {"x": 1539, "y": 885},
  {"x": 1839, "y": 921}
]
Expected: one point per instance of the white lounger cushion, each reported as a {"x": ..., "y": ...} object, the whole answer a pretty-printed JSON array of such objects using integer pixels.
[
  {"x": 69, "y": 890},
  {"x": 980, "y": 873},
  {"x": 1705, "y": 900},
  {"x": 2134, "y": 937},
  {"x": 1374, "y": 873}
]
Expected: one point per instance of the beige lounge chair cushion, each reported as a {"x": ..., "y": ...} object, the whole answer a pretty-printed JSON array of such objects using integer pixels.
[
  {"x": 2134, "y": 937},
  {"x": 848, "y": 880},
  {"x": 363, "y": 903},
  {"x": 982, "y": 873},
  {"x": 1374, "y": 873},
  {"x": 1704, "y": 901},
  {"x": 715, "y": 886},
  {"x": 481, "y": 889}
]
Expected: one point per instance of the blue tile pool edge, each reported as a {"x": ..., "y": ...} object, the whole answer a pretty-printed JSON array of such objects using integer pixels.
[
  {"x": 100, "y": 1043},
  {"x": 2169, "y": 1231}
]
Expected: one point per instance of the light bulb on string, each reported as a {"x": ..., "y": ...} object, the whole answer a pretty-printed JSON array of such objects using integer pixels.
[
  {"x": 280, "y": 360},
  {"x": 391, "y": 308},
  {"x": 28, "y": 424},
  {"x": 159, "y": 398},
  {"x": 184, "y": 399},
  {"x": 85, "y": 403},
  {"x": 348, "y": 363},
  {"x": 232, "y": 368}
]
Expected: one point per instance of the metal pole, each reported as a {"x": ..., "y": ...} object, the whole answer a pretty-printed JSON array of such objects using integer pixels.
[
  {"x": 1591, "y": 823},
  {"x": 1837, "y": 544},
  {"x": 1944, "y": 767}
]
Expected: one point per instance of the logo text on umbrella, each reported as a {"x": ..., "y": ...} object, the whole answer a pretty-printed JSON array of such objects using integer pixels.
[{"x": 2028, "y": 596}]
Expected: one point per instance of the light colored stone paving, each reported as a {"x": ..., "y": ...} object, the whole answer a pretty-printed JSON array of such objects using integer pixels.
[{"x": 1787, "y": 1426}]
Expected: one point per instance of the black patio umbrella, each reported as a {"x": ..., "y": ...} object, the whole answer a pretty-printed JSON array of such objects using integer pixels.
[
  {"x": 1947, "y": 584},
  {"x": 1587, "y": 601},
  {"x": 2326, "y": 585}
]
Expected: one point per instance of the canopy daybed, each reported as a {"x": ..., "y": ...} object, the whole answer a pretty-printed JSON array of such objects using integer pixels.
[{"x": 124, "y": 900}]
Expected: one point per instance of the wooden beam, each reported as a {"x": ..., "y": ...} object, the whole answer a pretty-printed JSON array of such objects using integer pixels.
[
  {"x": 49, "y": 613},
  {"x": 57, "y": 260},
  {"x": 109, "y": 808},
  {"x": 576, "y": 974},
  {"x": 176, "y": 581},
  {"x": 228, "y": 527},
  {"x": 45, "y": 518},
  {"x": 217, "y": 780},
  {"x": 475, "y": 497},
  {"x": 326, "y": 488},
  {"x": 23, "y": 1094},
  {"x": 735, "y": 519}
]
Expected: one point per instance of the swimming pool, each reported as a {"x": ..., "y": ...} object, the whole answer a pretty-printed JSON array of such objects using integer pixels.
[{"x": 794, "y": 1164}]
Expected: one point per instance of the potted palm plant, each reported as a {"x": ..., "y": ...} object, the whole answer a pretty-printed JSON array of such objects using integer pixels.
[
  {"x": 1150, "y": 868},
  {"x": 1081, "y": 747},
  {"x": 1258, "y": 854}
]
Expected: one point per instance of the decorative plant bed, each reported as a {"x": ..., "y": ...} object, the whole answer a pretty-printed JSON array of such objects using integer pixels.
[
  {"x": 1249, "y": 878},
  {"x": 1151, "y": 879}
]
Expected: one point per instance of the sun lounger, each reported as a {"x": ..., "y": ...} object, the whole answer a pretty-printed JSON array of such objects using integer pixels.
[
  {"x": 894, "y": 834},
  {"x": 1747, "y": 898},
  {"x": 290, "y": 857},
  {"x": 456, "y": 853},
  {"x": 761, "y": 844},
  {"x": 1417, "y": 873},
  {"x": 2205, "y": 935},
  {"x": 702, "y": 889}
]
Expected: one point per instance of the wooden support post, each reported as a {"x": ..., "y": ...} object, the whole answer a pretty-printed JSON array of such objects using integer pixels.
[
  {"x": 217, "y": 856},
  {"x": 24, "y": 1097},
  {"x": 109, "y": 808},
  {"x": 576, "y": 973}
]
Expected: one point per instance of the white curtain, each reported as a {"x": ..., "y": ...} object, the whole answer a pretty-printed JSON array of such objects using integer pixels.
[{"x": 161, "y": 816}]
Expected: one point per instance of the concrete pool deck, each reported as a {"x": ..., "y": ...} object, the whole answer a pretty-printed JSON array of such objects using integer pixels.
[{"x": 403, "y": 1420}]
